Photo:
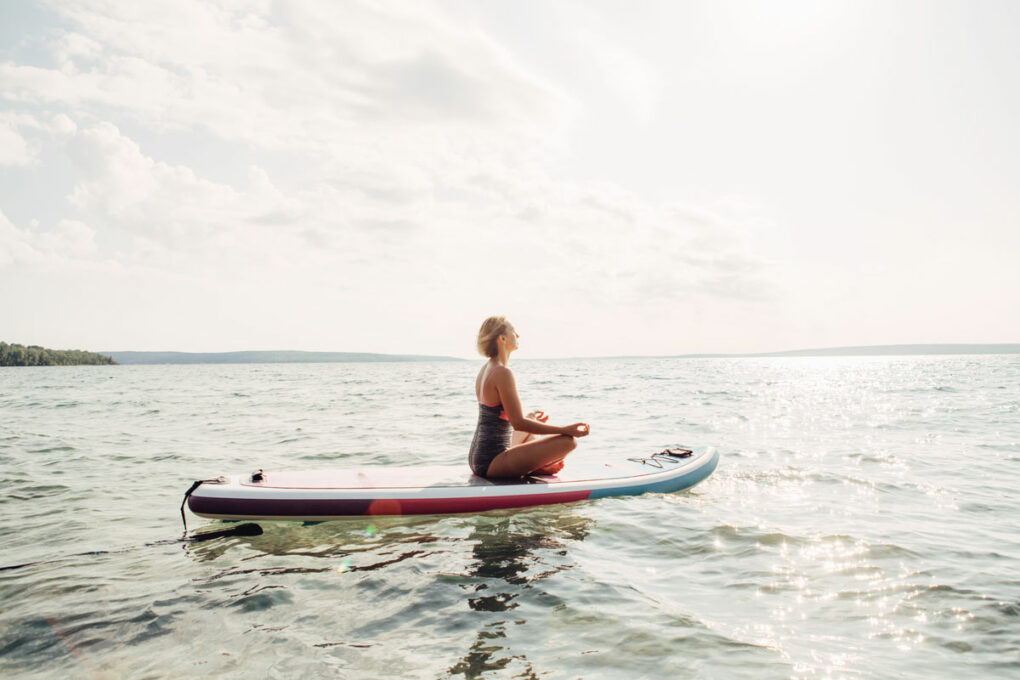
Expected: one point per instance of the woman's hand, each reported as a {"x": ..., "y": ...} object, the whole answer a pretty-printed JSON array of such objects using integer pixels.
[
  {"x": 540, "y": 416},
  {"x": 575, "y": 430}
]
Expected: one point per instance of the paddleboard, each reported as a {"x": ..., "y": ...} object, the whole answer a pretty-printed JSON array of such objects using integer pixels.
[{"x": 318, "y": 495}]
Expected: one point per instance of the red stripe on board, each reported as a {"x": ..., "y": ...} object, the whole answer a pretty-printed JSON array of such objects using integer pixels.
[
  {"x": 346, "y": 507},
  {"x": 442, "y": 506}
]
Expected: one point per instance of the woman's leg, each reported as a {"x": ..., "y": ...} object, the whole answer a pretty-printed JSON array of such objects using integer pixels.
[
  {"x": 519, "y": 437},
  {"x": 528, "y": 457}
]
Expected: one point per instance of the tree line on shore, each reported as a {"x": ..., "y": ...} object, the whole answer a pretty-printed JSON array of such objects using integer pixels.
[{"x": 34, "y": 355}]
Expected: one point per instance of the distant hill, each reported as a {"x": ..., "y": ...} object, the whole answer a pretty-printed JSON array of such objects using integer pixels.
[
  {"x": 894, "y": 350},
  {"x": 34, "y": 355},
  {"x": 264, "y": 357},
  {"x": 297, "y": 357},
  {"x": 865, "y": 350}
]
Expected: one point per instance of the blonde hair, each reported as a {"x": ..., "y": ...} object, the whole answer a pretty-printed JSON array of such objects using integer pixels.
[{"x": 488, "y": 335}]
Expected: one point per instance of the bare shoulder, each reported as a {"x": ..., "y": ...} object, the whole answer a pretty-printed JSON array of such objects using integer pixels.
[{"x": 502, "y": 374}]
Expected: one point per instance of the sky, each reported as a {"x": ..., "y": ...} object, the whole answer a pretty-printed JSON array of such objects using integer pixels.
[{"x": 684, "y": 177}]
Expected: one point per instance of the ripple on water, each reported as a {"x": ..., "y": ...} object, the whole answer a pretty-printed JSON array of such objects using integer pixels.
[
  {"x": 35, "y": 493},
  {"x": 52, "y": 449}
]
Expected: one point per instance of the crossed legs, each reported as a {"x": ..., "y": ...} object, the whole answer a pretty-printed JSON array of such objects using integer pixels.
[{"x": 531, "y": 455}]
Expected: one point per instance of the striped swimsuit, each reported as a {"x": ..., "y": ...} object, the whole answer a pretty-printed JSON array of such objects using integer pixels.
[{"x": 492, "y": 435}]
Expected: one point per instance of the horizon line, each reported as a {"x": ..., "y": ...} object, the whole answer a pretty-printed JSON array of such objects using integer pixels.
[{"x": 902, "y": 349}]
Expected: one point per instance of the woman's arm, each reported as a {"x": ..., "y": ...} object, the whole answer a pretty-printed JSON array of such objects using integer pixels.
[{"x": 503, "y": 378}]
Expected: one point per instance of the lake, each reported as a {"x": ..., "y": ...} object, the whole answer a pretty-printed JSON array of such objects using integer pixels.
[{"x": 862, "y": 523}]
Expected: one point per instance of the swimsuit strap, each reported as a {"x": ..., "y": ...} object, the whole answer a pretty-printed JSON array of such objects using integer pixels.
[{"x": 481, "y": 388}]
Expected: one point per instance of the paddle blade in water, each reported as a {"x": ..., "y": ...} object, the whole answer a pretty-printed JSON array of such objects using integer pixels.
[{"x": 248, "y": 529}]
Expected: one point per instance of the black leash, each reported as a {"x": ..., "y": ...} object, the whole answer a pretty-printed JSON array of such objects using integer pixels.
[
  {"x": 240, "y": 530},
  {"x": 187, "y": 494}
]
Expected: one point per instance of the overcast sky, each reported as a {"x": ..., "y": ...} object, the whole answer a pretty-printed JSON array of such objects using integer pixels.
[{"x": 660, "y": 178}]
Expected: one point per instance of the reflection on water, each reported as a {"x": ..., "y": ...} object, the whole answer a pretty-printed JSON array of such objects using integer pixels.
[
  {"x": 506, "y": 560},
  {"x": 493, "y": 560}
]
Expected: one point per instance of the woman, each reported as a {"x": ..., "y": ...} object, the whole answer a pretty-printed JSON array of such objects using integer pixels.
[{"x": 505, "y": 443}]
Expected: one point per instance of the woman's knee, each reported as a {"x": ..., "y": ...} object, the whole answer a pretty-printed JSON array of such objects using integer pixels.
[{"x": 570, "y": 444}]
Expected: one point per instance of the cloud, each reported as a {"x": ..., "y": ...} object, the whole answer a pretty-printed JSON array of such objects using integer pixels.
[
  {"x": 14, "y": 244},
  {"x": 68, "y": 240},
  {"x": 116, "y": 176},
  {"x": 160, "y": 210},
  {"x": 14, "y": 149},
  {"x": 309, "y": 76},
  {"x": 636, "y": 83},
  {"x": 394, "y": 159}
]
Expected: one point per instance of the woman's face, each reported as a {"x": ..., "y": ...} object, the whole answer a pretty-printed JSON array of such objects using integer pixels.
[{"x": 512, "y": 339}]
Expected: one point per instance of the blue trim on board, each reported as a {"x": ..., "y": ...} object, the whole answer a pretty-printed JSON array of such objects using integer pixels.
[{"x": 679, "y": 483}]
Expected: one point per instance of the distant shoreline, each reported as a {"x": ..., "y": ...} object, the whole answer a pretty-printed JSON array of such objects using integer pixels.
[
  {"x": 295, "y": 357},
  {"x": 857, "y": 351},
  {"x": 300, "y": 357},
  {"x": 901, "y": 350},
  {"x": 266, "y": 357},
  {"x": 14, "y": 355}
]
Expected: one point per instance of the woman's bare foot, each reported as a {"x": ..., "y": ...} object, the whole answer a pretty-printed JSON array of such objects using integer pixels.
[{"x": 550, "y": 469}]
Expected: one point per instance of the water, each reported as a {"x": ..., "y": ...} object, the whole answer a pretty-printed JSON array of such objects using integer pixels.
[{"x": 861, "y": 524}]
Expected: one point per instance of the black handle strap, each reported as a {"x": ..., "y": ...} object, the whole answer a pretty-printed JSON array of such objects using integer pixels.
[
  {"x": 198, "y": 483},
  {"x": 666, "y": 455}
]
